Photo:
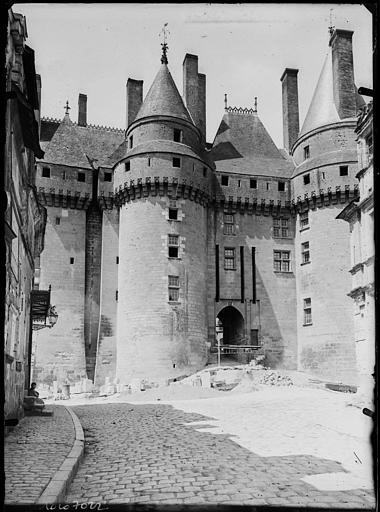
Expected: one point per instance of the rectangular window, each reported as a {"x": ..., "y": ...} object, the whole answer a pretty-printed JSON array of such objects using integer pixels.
[
  {"x": 71, "y": 261},
  {"x": 307, "y": 311},
  {"x": 45, "y": 172},
  {"x": 306, "y": 152},
  {"x": 173, "y": 213},
  {"x": 107, "y": 176},
  {"x": 281, "y": 261},
  {"x": 306, "y": 179},
  {"x": 239, "y": 183},
  {"x": 127, "y": 166},
  {"x": 117, "y": 260},
  {"x": 343, "y": 170},
  {"x": 131, "y": 142},
  {"x": 82, "y": 177},
  {"x": 281, "y": 186},
  {"x": 229, "y": 258},
  {"x": 304, "y": 219},
  {"x": 173, "y": 246},
  {"x": 280, "y": 228},
  {"x": 305, "y": 252},
  {"x": 63, "y": 175},
  {"x": 204, "y": 171},
  {"x": 177, "y": 135},
  {"x": 225, "y": 181},
  {"x": 58, "y": 221},
  {"x": 252, "y": 183},
  {"x": 268, "y": 186},
  {"x": 176, "y": 162},
  {"x": 229, "y": 224},
  {"x": 323, "y": 175},
  {"x": 148, "y": 162},
  {"x": 173, "y": 288}
]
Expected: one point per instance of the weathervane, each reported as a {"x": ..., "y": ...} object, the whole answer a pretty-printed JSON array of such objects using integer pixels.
[
  {"x": 164, "y": 32},
  {"x": 225, "y": 102},
  {"x": 67, "y": 108},
  {"x": 331, "y": 27},
  {"x": 255, "y": 104}
]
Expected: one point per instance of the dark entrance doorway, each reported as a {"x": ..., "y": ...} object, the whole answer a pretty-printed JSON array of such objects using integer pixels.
[{"x": 232, "y": 322}]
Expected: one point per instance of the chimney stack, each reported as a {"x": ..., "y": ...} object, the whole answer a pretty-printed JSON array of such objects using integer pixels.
[
  {"x": 190, "y": 86},
  {"x": 134, "y": 99},
  {"x": 343, "y": 73},
  {"x": 202, "y": 105},
  {"x": 82, "y": 110},
  {"x": 290, "y": 111},
  {"x": 38, "y": 112}
]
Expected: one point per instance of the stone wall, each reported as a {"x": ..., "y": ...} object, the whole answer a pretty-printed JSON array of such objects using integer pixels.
[{"x": 59, "y": 352}]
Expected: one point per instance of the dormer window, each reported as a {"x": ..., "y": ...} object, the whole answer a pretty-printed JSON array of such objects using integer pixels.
[{"x": 177, "y": 135}]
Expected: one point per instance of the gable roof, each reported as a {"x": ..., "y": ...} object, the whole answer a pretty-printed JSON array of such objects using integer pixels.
[
  {"x": 163, "y": 98},
  {"x": 70, "y": 143},
  {"x": 243, "y": 145}
]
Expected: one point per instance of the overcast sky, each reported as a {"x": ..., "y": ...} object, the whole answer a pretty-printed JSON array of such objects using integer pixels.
[{"x": 242, "y": 48}]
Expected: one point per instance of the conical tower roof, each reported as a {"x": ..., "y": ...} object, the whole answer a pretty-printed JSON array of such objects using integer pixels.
[
  {"x": 243, "y": 145},
  {"x": 322, "y": 109},
  {"x": 163, "y": 98}
]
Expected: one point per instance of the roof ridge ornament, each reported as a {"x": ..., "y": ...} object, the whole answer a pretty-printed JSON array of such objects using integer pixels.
[
  {"x": 164, "y": 32},
  {"x": 240, "y": 110},
  {"x": 67, "y": 108},
  {"x": 331, "y": 28}
]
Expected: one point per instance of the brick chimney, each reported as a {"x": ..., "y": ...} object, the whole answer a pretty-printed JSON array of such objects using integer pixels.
[
  {"x": 37, "y": 112},
  {"x": 134, "y": 99},
  {"x": 82, "y": 110},
  {"x": 290, "y": 112},
  {"x": 343, "y": 73},
  {"x": 202, "y": 105},
  {"x": 190, "y": 86}
]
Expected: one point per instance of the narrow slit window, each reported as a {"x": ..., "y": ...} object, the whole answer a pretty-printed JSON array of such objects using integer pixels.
[
  {"x": 306, "y": 152},
  {"x": 117, "y": 260},
  {"x": 177, "y": 135},
  {"x": 148, "y": 162},
  {"x": 204, "y": 171},
  {"x": 63, "y": 175},
  {"x": 131, "y": 142}
]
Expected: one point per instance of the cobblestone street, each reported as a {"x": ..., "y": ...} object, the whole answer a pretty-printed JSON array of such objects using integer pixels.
[{"x": 157, "y": 453}]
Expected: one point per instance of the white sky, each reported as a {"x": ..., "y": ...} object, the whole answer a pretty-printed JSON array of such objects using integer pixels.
[{"x": 242, "y": 48}]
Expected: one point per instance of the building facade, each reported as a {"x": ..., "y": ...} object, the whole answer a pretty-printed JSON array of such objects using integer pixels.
[
  {"x": 360, "y": 216},
  {"x": 164, "y": 239},
  {"x": 25, "y": 218}
]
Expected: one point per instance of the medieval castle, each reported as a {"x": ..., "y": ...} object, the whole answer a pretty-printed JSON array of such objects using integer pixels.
[{"x": 158, "y": 244}]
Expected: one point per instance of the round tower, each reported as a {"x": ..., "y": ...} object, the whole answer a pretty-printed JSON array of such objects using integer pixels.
[
  {"x": 323, "y": 182},
  {"x": 162, "y": 185}
]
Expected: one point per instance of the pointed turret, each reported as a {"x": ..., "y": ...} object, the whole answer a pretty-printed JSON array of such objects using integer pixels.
[{"x": 163, "y": 98}]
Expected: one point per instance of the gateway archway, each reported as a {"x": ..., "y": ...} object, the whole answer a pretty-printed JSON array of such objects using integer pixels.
[{"x": 231, "y": 325}]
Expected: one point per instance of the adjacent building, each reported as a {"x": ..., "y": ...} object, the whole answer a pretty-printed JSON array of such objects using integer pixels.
[
  {"x": 25, "y": 218},
  {"x": 158, "y": 243},
  {"x": 360, "y": 216}
]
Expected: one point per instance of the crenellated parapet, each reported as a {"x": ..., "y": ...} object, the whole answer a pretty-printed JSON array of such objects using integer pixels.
[
  {"x": 161, "y": 186},
  {"x": 64, "y": 198},
  {"x": 323, "y": 198}
]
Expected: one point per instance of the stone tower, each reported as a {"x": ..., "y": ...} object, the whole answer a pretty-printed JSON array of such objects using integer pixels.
[
  {"x": 325, "y": 159},
  {"x": 162, "y": 185}
]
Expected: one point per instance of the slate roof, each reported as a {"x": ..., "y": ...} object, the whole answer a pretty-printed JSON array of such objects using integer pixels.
[
  {"x": 243, "y": 145},
  {"x": 70, "y": 143},
  {"x": 163, "y": 98},
  {"x": 322, "y": 109}
]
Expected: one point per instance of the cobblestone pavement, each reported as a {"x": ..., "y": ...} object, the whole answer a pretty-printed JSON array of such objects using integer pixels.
[
  {"x": 33, "y": 452},
  {"x": 150, "y": 454}
]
